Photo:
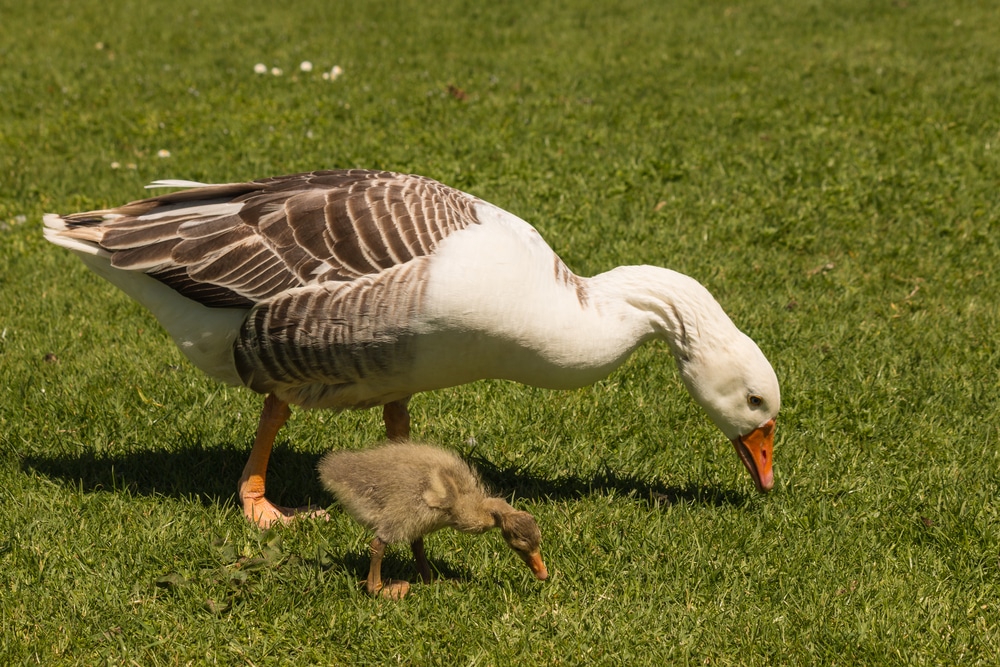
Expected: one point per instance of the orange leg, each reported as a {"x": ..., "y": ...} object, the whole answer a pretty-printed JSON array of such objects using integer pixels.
[
  {"x": 397, "y": 419},
  {"x": 256, "y": 507}
]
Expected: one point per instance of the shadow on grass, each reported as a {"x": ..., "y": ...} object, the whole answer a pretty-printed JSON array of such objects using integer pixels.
[
  {"x": 208, "y": 474},
  {"x": 525, "y": 484},
  {"x": 211, "y": 475},
  {"x": 398, "y": 563}
]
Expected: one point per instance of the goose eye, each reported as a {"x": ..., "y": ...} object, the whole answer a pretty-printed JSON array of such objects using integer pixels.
[{"x": 754, "y": 401}]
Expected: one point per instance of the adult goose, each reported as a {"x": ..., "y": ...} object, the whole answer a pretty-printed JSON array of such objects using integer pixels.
[{"x": 355, "y": 288}]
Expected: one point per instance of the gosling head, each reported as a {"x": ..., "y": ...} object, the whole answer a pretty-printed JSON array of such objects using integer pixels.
[{"x": 520, "y": 531}]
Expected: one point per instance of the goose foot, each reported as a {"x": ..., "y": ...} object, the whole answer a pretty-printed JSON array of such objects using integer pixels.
[
  {"x": 257, "y": 508},
  {"x": 264, "y": 513}
]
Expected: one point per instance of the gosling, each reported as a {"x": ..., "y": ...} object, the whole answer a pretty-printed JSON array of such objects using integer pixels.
[{"x": 404, "y": 491}]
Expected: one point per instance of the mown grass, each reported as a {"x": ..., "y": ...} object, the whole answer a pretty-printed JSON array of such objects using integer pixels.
[{"x": 829, "y": 170}]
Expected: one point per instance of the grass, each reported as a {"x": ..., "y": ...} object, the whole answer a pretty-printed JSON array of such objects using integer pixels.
[{"x": 829, "y": 170}]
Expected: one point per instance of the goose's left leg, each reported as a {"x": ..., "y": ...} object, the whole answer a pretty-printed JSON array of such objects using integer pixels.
[
  {"x": 397, "y": 419},
  {"x": 256, "y": 507}
]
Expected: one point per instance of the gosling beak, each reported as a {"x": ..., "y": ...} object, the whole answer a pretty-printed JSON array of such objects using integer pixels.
[
  {"x": 534, "y": 561},
  {"x": 755, "y": 450}
]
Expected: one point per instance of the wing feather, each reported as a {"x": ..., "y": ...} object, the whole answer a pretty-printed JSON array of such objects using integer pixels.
[{"x": 244, "y": 243}]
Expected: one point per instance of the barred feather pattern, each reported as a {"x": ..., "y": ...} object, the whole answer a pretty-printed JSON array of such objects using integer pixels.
[
  {"x": 239, "y": 244},
  {"x": 313, "y": 344}
]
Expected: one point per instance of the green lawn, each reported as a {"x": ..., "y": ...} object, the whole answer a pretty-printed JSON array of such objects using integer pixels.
[{"x": 830, "y": 170}]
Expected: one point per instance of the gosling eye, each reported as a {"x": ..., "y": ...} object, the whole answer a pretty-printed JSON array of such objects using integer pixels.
[{"x": 754, "y": 401}]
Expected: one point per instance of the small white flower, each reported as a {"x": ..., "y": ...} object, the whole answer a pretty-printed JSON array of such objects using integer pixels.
[
  {"x": 163, "y": 152},
  {"x": 335, "y": 72},
  {"x": 276, "y": 71},
  {"x": 116, "y": 165},
  {"x": 260, "y": 68},
  {"x": 306, "y": 66}
]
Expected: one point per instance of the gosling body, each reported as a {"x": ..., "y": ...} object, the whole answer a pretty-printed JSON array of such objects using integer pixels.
[{"x": 405, "y": 491}]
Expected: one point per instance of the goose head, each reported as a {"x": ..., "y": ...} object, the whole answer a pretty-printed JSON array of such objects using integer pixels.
[
  {"x": 722, "y": 368},
  {"x": 736, "y": 385}
]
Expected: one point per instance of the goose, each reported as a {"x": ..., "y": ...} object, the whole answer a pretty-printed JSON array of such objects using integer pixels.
[
  {"x": 403, "y": 491},
  {"x": 351, "y": 289}
]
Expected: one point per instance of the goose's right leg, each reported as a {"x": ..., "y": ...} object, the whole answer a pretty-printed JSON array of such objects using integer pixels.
[
  {"x": 397, "y": 419},
  {"x": 256, "y": 507}
]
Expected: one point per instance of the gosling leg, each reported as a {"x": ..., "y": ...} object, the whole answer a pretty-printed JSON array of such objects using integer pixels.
[
  {"x": 393, "y": 589},
  {"x": 423, "y": 567}
]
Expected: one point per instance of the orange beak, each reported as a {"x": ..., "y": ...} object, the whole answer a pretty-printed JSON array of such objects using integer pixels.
[
  {"x": 534, "y": 561},
  {"x": 755, "y": 450}
]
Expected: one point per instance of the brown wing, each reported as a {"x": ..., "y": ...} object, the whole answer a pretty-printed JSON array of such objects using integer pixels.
[{"x": 242, "y": 243}]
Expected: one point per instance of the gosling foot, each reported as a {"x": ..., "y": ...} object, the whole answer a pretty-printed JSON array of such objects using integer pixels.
[{"x": 393, "y": 589}]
